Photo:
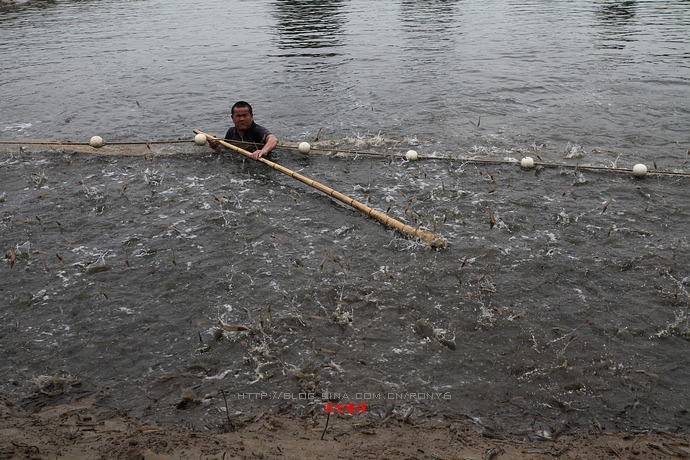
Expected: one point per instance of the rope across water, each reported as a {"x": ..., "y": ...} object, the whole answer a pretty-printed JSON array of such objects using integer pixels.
[{"x": 390, "y": 156}]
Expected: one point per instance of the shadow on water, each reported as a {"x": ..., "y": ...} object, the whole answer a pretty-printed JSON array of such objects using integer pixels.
[
  {"x": 429, "y": 17},
  {"x": 23, "y": 5},
  {"x": 617, "y": 12},
  {"x": 309, "y": 26},
  {"x": 430, "y": 28},
  {"x": 430, "y": 31},
  {"x": 308, "y": 37},
  {"x": 35, "y": 5},
  {"x": 615, "y": 20}
]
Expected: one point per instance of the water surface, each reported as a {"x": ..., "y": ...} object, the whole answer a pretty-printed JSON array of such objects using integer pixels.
[{"x": 561, "y": 299}]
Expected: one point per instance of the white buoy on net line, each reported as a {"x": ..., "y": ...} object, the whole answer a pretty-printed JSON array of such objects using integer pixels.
[
  {"x": 96, "y": 142},
  {"x": 527, "y": 162},
  {"x": 412, "y": 155},
  {"x": 200, "y": 139},
  {"x": 639, "y": 170},
  {"x": 304, "y": 147}
]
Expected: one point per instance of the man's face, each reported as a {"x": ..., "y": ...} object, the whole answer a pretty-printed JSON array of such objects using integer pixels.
[{"x": 242, "y": 118}]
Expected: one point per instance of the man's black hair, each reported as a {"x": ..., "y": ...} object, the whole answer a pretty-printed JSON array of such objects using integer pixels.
[{"x": 240, "y": 104}]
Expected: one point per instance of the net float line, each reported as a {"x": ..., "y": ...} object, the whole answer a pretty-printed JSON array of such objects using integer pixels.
[
  {"x": 576, "y": 167},
  {"x": 407, "y": 230},
  {"x": 390, "y": 156},
  {"x": 68, "y": 143}
]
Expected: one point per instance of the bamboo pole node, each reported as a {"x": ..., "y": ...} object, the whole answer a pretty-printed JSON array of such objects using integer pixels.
[{"x": 427, "y": 237}]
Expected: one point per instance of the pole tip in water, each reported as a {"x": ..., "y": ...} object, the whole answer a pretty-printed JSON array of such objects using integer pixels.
[
  {"x": 200, "y": 139},
  {"x": 96, "y": 142},
  {"x": 527, "y": 162},
  {"x": 304, "y": 147},
  {"x": 639, "y": 170},
  {"x": 435, "y": 242}
]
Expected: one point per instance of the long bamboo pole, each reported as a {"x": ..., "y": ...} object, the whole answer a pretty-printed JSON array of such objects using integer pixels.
[{"x": 405, "y": 229}]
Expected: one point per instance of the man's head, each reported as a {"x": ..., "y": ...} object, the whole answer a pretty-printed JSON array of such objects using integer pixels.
[
  {"x": 241, "y": 104},
  {"x": 242, "y": 115}
]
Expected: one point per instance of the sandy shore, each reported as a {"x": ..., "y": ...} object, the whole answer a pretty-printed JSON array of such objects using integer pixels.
[{"x": 84, "y": 429}]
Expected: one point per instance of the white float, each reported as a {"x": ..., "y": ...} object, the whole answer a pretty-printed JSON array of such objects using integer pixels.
[
  {"x": 639, "y": 170},
  {"x": 304, "y": 147},
  {"x": 200, "y": 139},
  {"x": 96, "y": 142},
  {"x": 527, "y": 162},
  {"x": 412, "y": 155}
]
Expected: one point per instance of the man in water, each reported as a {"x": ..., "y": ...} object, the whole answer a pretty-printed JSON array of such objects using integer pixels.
[{"x": 246, "y": 130}]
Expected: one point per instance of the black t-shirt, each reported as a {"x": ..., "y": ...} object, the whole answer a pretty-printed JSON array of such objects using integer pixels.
[{"x": 255, "y": 134}]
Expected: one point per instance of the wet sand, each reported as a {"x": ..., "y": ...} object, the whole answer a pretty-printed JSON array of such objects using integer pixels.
[{"x": 87, "y": 428}]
